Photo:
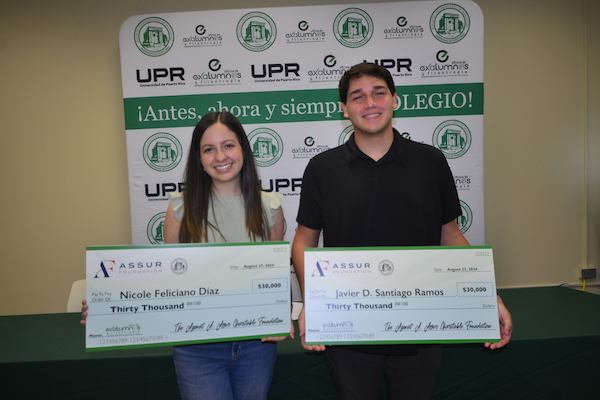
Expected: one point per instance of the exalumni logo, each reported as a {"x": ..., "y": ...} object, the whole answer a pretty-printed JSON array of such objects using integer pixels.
[
  {"x": 162, "y": 152},
  {"x": 154, "y": 36},
  {"x": 217, "y": 76},
  {"x": 327, "y": 73},
  {"x": 202, "y": 38},
  {"x": 449, "y": 23},
  {"x": 453, "y": 138},
  {"x": 443, "y": 68},
  {"x": 256, "y": 31},
  {"x": 155, "y": 230},
  {"x": 115, "y": 330},
  {"x": 353, "y": 27},
  {"x": 403, "y": 31},
  {"x": 462, "y": 182},
  {"x": 309, "y": 150},
  {"x": 304, "y": 35},
  {"x": 266, "y": 145}
]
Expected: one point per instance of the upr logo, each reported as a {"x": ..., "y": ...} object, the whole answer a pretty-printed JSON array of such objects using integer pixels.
[
  {"x": 155, "y": 230},
  {"x": 256, "y": 31},
  {"x": 453, "y": 138},
  {"x": 321, "y": 266},
  {"x": 154, "y": 36},
  {"x": 449, "y": 23},
  {"x": 162, "y": 152},
  {"x": 353, "y": 27},
  {"x": 105, "y": 265},
  {"x": 266, "y": 145},
  {"x": 465, "y": 220}
]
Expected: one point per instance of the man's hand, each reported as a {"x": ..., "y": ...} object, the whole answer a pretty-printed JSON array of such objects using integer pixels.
[
  {"x": 302, "y": 331},
  {"x": 506, "y": 326}
]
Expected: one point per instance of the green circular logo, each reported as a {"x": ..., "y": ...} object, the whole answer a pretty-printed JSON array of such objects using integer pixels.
[
  {"x": 155, "y": 230},
  {"x": 162, "y": 152},
  {"x": 353, "y": 27},
  {"x": 154, "y": 36},
  {"x": 266, "y": 145},
  {"x": 453, "y": 138},
  {"x": 256, "y": 31},
  {"x": 345, "y": 135},
  {"x": 465, "y": 220},
  {"x": 449, "y": 23}
]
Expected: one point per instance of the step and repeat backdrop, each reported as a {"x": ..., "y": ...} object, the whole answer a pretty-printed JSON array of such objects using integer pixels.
[{"x": 277, "y": 70}]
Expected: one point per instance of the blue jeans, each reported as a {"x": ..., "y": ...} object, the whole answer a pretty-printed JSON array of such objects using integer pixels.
[{"x": 225, "y": 371}]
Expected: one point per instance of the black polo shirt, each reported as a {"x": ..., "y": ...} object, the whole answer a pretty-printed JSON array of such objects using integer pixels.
[{"x": 401, "y": 200}]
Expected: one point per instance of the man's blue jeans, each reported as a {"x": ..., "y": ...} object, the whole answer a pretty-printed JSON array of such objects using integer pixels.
[{"x": 225, "y": 371}]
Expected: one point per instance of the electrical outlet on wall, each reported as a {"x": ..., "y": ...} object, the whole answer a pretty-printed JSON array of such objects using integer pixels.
[{"x": 587, "y": 273}]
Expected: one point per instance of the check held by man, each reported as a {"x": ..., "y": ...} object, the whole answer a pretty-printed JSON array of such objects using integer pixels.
[
  {"x": 400, "y": 295},
  {"x": 184, "y": 294}
]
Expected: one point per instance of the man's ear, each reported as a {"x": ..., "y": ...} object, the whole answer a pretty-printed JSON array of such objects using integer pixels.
[{"x": 344, "y": 110}]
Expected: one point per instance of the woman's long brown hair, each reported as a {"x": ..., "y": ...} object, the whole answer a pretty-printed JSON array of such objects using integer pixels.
[{"x": 198, "y": 186}]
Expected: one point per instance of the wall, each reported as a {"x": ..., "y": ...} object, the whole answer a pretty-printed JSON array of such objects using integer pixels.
[{"x": 66, "y": 186}]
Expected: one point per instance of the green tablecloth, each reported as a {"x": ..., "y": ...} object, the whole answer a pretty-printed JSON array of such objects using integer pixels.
[{"x": 554, "y": 354}]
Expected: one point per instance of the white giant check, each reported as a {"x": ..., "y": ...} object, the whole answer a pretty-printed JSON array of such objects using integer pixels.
[
  {"x": 400, "y": 295},
  {"x": 184, "y": 294}
]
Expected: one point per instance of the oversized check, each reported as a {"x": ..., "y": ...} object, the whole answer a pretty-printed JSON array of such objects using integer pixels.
[
  {"x": 183, "y": 294},
  {"x": 400, "y": 295}
]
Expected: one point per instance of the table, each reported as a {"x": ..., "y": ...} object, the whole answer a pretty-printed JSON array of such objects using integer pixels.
[{"x": 554, "y": 354}]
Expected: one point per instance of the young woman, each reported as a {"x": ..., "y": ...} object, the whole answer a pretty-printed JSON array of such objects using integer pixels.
[{"x": 223, "y": 202}]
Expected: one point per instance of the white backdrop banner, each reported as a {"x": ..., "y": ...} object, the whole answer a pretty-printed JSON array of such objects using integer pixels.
[{"x": 277, "y": 70}]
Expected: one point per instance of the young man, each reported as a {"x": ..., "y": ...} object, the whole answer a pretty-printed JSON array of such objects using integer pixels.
[{"x": 379, "y": 189}]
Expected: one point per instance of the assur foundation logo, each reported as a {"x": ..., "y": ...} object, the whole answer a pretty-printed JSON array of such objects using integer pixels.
[
  {"x": 154, "y": 36},
  {"x": 449, "y": 23},
  {"x": 256, "y": 31},
  {"x": 353, "y": 27},
  {"x": 465, "y": 220},
  {"x": 162, "y": 152},
  {"x": 155, "y": 230},
  {"x": 266, "y": 145},
  {"x": 453, "y": 138}
]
